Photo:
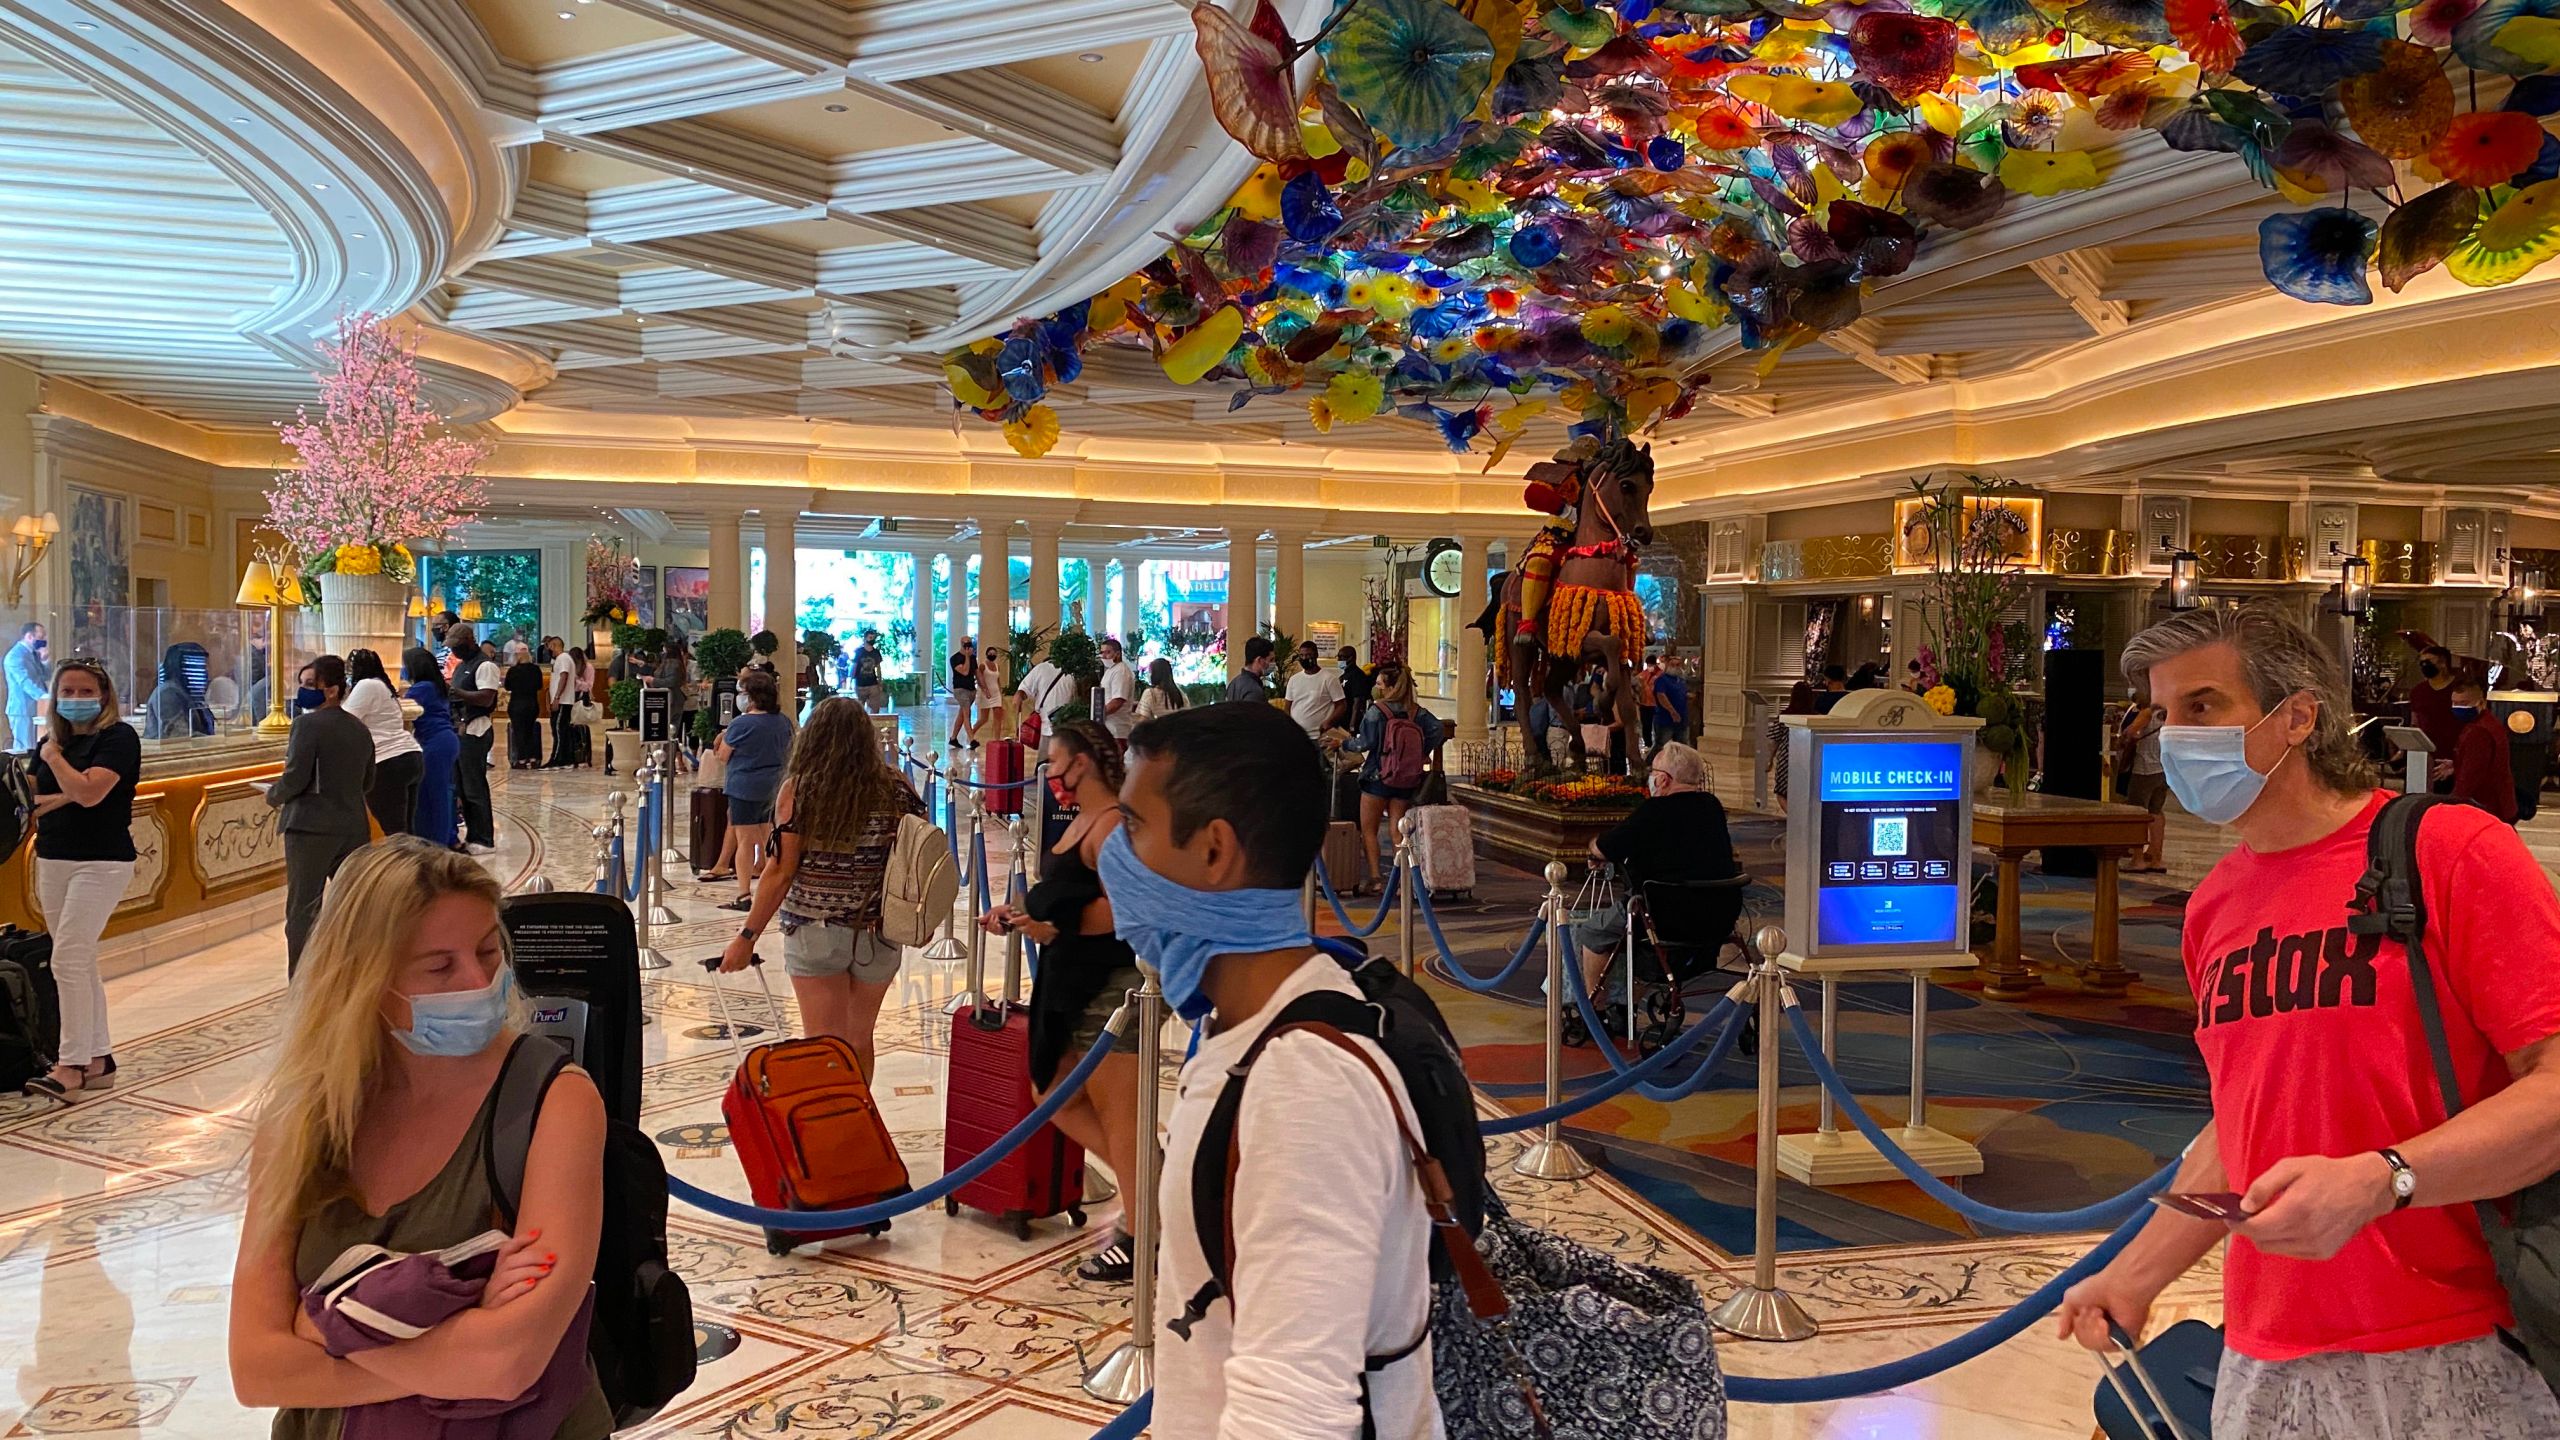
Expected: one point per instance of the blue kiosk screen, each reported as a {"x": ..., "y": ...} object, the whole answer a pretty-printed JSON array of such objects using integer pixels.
[{"x": 1889, "y": 831}]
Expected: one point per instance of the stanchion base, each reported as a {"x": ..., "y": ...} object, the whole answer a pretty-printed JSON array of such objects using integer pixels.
[
  {"x": 538, "y": 885},
  {"x": 1763, "y": 1315},
  {"x": 1551, "y": 1160},
  {"x": 1098, "y": 1187},
  {"x": 661, "y": 915},
  {"x": 945, "y": 950},
  {"x": 650, "y": 959},
  {"x": 1845, "y": 1157},
  {"x": 1124, "y": 1374}
]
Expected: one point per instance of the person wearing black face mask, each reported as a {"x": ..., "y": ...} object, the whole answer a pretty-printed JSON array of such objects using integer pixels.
[
  {"x": 2479, "y": 770},
  {"x": 2431, "y": 694}
]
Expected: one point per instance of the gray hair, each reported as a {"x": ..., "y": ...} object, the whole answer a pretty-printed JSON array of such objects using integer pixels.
[
  {"x": 2280, "y": 659},
  {"x": 1683, "y": 764}
]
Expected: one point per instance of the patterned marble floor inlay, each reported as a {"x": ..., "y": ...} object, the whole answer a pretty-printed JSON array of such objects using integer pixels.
[{"x": 119, "y": 1217}]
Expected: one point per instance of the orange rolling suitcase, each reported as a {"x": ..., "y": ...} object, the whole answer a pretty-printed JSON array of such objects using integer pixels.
[{"x": 806, "y": 1131}]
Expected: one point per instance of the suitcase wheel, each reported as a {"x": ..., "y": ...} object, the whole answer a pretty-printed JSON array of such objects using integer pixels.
[
  {"x": 1576, "y": 1034},
  {"x": 1021, "y": 1224},
  {"x": 950, "y": 1205},
  {"x": 778, "y": 1242},
  {"x": 1075, "y": 1217},
  {"x": 879, "y": 1228}
]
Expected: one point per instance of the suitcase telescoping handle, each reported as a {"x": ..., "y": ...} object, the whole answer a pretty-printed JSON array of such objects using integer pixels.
[
  {"x": 720, "y": 998},
  {"x": 2162, "y": 1424}
]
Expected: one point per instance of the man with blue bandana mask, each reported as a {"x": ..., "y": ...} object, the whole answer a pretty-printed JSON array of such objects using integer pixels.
[
  {"x": 2359, "y": 1295},
  {"x": 1222, "y": 814}
]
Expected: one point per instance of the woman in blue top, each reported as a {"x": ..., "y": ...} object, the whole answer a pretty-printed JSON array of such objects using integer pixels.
[
  {"x": 1392, "y": 772},
  {"x": 436, "y": 742},
  {"x": 755, "y": 746}
]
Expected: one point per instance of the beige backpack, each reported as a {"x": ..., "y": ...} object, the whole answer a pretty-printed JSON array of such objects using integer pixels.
[{"x": 922, "y": 882}]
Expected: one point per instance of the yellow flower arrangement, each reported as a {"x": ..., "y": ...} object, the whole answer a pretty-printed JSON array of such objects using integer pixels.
[
  {"x": 1940, "y": 698},
  {"x": 356, "y": 559}
]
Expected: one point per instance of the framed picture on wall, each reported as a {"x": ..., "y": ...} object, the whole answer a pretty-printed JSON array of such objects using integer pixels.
[
  {"x": 688, "y": 599},
  {"x": 647, "y": 603}
]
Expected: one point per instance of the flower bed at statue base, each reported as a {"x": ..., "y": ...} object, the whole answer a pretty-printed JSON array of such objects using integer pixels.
[{"x": 1528, "y": 823}]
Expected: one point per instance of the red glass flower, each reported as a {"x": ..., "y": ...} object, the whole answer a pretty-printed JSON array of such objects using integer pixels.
[{"x": 2487, "y": 147}]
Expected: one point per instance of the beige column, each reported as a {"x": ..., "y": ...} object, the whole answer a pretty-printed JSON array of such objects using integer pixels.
[
  {"x": 1244, "y": 593},
  {"x": 1044, "y": 575},
  {"x": 1124, "y": 620},
  {"x": 782, "y": 595},
  {"x": 995, "y": 580},
  {"x": 955, "y": 606},
  {"x": 1476, "y": 552},
  {"x": 728, "y": 573},
  {"x": 1289, "y": 597},
  {"x": 921, "y": 616}
]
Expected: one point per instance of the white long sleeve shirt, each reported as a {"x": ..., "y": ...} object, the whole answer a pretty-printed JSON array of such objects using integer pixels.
[{"x": 1333, "y": 1248}]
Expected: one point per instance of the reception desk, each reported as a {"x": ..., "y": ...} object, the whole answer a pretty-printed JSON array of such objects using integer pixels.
[{"x": 209, "y": 859}]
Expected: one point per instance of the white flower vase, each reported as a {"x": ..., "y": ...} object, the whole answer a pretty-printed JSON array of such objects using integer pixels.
[{"x": 364, "y": 612}]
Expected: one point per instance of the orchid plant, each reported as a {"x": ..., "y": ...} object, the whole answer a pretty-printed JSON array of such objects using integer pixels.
[
  {"x": 613, "y": 582},
  {"x": 380, "y": 467}
]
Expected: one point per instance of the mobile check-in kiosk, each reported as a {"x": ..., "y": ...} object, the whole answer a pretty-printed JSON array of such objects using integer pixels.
[{"x": 1879, "y": 879}]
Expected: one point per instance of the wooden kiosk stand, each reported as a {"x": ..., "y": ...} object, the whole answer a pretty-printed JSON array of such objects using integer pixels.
[{"x": 1879, "y": 879}]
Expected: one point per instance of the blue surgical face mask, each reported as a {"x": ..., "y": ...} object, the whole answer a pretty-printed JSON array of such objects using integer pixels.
[
  {"x": 80, "y": 710},
  {"x": 2466, "y": 713},
  {"x": 458, "y": 1022},
  {"x": 1179, "y": 930},
  {"x": 309, "y": 697},
  {"x": 2209, "y": 771}
]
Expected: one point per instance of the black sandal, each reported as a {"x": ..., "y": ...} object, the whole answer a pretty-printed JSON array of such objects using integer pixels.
[{"x": 48, "y": 1088}]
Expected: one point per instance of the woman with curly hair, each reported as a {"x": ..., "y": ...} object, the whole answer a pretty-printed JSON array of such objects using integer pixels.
[
  {"x": 835, "y": 818},
  {"x": 1085, "y": 971}
]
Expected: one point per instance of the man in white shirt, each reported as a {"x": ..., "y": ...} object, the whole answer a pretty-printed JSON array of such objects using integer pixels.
[
  {"x": 479, "y": 699},
  {"x": 1046, "y": 688},
  {"x": 1315, "y": 695},
  {"x": 1119, "y": 691},
  {"x": 564, "y": 685},
  {"x": 1222, "y": 813}
]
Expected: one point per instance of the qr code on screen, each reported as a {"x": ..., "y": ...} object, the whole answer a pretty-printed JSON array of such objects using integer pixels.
[{"x": 1892, "y": 835}]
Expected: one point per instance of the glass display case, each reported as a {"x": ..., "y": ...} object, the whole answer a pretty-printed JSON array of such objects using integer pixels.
[{"x": 184, "y": 678}]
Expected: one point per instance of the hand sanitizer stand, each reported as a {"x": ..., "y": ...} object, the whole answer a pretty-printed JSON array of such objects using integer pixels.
[{"x": 1879, "y": 879}]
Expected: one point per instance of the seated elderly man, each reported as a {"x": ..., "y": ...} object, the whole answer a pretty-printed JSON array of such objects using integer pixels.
[{"x": 1677, "y": 835}]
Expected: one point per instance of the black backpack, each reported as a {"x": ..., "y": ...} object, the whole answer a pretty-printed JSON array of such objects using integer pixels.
[
  {"x": 30, "y": 1013},
  {"x": 2390, "y": 902},
  {"x": 642, "y": 1341},
  {"x": 17, "y": 802},
  {"x": 1449, "y": 1153}
]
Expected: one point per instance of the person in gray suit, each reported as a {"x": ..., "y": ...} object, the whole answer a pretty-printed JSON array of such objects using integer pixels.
[{"x": 328, "y": 767}]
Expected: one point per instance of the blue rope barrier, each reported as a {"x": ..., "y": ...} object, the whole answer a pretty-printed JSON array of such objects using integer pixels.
[
  {"x": 986, "y": 902},
  {"x": 647, "y": 826},
  {"x": 1725, "y": 1013},
  {"x": 1989, "y": 1336},
  {"x": 1127, "y": 1424},
  {"x": 1386, "y": 901},
  {"x": 792, "y": 1221},
  {"x": 1591, "y": 1021},
  {"x": 2114, "y": 1208},
  {"x": 999, "y": 785},
  {"x": 1449, "y": 957}
]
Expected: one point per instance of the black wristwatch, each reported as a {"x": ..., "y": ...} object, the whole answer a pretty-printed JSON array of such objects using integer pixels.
[
  {"x": 2404, "y": 1181},
  {"x": 746, "y": 932}
]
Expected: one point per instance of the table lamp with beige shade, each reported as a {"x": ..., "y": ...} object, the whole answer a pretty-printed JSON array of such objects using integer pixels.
[{"x": 262, "y": 585}]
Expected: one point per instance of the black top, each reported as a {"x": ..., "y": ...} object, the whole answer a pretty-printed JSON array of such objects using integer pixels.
[
  {"x": 103, "y": 831},
  {"x": 964, "y": 672},
  {"x": 524, "y": 684},
  {"x": 1675, "y": 838},
  {"x": 1357, "y": 686}
]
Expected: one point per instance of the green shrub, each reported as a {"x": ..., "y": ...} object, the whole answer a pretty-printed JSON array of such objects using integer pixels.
[
  {"x": 818, "y": 647},
  {"x": 623, "y": 701},
  {"x": 1207, "y": 692},
  {"x": 722, "y": 652},
  {"x": 628, "y": 637},
  {"x": 706, "y": 725},
  {"x": 1076, "y": 653},
  {"x": 906, "y": 690}
]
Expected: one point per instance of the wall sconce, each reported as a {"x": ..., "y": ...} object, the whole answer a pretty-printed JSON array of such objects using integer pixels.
[
  {"x": 261, "y": 587},
  {"x": 2524, "y": 591},
  {"x": 2182, "y": 578},
  {"x": 435, "y": 601},
  {"x": 29, "y": 541},
  {"x": 1867, "y": 607},
  {"x": 2355, "y": 582}
]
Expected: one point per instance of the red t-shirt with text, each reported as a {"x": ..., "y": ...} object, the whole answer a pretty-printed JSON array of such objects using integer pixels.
[{"x": 2312, "y": 1039}]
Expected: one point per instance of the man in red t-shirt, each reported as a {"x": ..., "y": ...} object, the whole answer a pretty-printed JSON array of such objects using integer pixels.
[
  {"x": 2359, "y": 1296},
  {"x": 2481, "y": 769}
]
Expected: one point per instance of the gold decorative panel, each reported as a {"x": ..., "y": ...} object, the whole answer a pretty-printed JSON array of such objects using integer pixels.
[
  {"x": 2090, "y": 552},
  {"x": 2400, "y": 562},
  {"x": 2246, "y": 557},
  {"x": 1917, "y": 550},
  {"x": 1847, "y": 557}
]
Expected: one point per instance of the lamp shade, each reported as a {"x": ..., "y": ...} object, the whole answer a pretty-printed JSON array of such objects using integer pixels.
[
  {"x": 289, "y": 587},
  {"x": 257, "y": 585},
  {"x": 2182, "y": 581},
  {"x": 471, "y": 610},
  {"x": 2355, "y": 585},
  {"x": 417, "y": 607}
]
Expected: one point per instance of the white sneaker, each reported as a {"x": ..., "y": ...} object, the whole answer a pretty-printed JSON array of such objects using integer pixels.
[{"x": 477, "y": 849}]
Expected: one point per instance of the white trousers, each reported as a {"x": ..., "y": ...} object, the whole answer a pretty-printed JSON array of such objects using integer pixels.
[{"x": 77, "y": 896}]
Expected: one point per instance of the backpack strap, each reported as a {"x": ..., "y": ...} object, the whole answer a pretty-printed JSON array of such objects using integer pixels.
[
  {"x": 1334, "y": 1018},
  {"x": 532, "y": 1064},
  {"x": 2391, "y": 902}
]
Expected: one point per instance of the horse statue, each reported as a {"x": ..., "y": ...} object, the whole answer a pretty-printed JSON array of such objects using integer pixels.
[{"x": 1569, "y": 605}]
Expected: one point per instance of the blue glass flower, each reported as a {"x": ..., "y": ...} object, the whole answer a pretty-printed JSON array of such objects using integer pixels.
[
  {"x": 1535, "y": 245},
  {"x": 1662, "y": 152},
  {"x": 2308, "y": 59},
  {"x": 1307, "y": 209},
  {"x": 2318, "y": 255}
]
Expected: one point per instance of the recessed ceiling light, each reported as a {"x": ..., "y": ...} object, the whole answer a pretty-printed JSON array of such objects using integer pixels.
[
  {"x": 364, "y": 274},
  {"x": 835, "y": 109},
  {"x": 356, "y": 237},
  {"x": 1091, "y": 57},
  {"x": 242, "y": 120},
  {"x": 320, "y": 185},
  {"x": 568, "y": 15},
  {"x": 82, "y": 25}
]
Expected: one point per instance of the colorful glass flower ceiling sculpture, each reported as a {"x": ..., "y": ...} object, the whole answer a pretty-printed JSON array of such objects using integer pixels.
[{"x": 1477, "y": 211}]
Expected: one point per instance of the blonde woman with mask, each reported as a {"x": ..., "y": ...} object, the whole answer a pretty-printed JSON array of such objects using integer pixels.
[
  {"x": 86, "y": 766},
  {"x": 374, "y": 1129}
]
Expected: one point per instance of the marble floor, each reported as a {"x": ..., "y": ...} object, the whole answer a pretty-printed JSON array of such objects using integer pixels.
[{"x": 118, "y": 1223}]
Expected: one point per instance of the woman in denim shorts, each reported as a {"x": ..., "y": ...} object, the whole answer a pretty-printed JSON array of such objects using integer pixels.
[{"x": 835, "y": 819}]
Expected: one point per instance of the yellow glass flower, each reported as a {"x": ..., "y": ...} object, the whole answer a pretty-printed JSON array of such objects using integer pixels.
[
  {"x": 969, "y": 392},
  {"x": 1391, "y": 295},
  {"x": 1259, "y": 196},
  {"x": 1354, "y": 396},
  {"x": 1818, "y": 102},
  {"x": 1032, "y": 436},
  {"x": 1940, "y": 698},
  {"x": 1607, "y": 326},
  {"x": 2048, "y": 172},
  {"x": 2516, "y": 238},
  {"x": 1320, "y": 414},
  {"x": 1198, "y": 353}
]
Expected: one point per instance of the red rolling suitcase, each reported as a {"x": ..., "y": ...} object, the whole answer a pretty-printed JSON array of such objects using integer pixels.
[
  {"x": 806, "y": 1131},
  {"x": 989, "y": 1093},
  {"x": 1002, "y": 766}
]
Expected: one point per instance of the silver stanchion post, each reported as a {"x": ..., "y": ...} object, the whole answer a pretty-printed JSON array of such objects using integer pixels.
[
  {"x": 1307, "y": 899},
  {"x": 1830, "y": 1121},
  {"x": 669, "y": 761},
  {"x": 1130, "y": 1371},
  {"x": 1408, "y": 874},
  {"x": 602, "y": 833},
  {"x": 611, "y": 879},
  {"x": 946, "y": 946},
  {"x": 1760, "y": 1310},
  {"x": 1549, "y": 1157},
  {"x": 973, "y": 851}
]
